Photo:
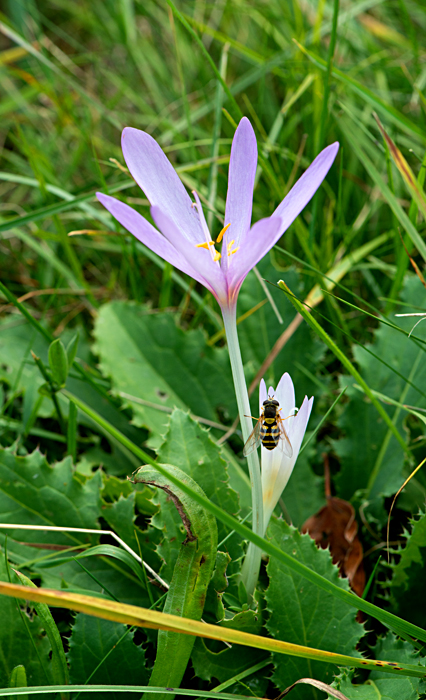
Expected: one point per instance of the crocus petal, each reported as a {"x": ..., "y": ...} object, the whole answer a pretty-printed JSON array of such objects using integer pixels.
[
  {"x": 255, "y": 245},
  {"x": 299, "y": 424},
  {"x": 263, "y": 394},
  {"x": 284, "y": 394},
  {"x": 147, "y": 234},
  {"x": 156, "y": 176},
  {"x": 242, "y": 170},
  {"x": 199, "y": 259},
  {"x": 305, "y": 187}
]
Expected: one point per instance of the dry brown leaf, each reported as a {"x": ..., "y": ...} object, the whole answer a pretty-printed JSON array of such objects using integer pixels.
[{"x": 335, "y": 526}]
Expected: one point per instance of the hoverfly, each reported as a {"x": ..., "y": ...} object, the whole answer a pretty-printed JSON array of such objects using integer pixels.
[{"x": 269, "y": 430}]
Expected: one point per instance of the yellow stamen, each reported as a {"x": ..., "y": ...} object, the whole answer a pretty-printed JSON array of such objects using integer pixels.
[
  {"x": 204, "y": 245},
  {"x": 217, "y": 257},
  {"x": 222, "y": 233},
  {"x": 229, "y": 246}
]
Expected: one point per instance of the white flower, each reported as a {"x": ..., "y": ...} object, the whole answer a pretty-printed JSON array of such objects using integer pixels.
[{"x": 275, "y": 464}]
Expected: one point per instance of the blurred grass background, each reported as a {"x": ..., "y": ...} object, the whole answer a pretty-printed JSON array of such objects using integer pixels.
[{"x": 73, "y": 74}]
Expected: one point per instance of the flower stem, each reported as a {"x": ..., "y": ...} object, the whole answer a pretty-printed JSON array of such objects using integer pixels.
[{"x": 251, "y": 566}]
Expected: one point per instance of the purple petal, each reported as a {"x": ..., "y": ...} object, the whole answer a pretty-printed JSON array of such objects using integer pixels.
[
  {"x": 156, "y": 176},
  {"x": 198, "y": 259},
  {"x": 242, "y": 169},
  {"x": 254, "y": 246},
  {"x": 147, "y": 234},
  {"x": 305, "y": 187}
]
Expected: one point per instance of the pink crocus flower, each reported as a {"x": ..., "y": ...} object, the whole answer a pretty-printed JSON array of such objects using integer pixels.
[
  {"x": 277, "y": 465},
  {"x": 182, "y": 236}
]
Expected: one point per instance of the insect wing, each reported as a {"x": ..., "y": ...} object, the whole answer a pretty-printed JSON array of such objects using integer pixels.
[
  {"x": 284, "y": 441},
  {"x": 253, "y": 440}
]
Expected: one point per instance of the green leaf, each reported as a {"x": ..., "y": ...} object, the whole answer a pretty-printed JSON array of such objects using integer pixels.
[
  {"x": 189, "y": 446},
  {"x": 110, "y": 645},
  {"x": 18, "y": 679},
  {"x": 385, "y": 686},
  {"x": 301, "y": 614},
  {"x": 214, "y": 660},
  {"x": 58, "y": 362},
  {"x": 22, "y": 642},
  {"x": 191, "y": 575},
  {"x": 371, "y": 458},
  {"x": 407, "y": 590},
  {"x": 121, "y": 517},
  {"x": 59, "y": 668},
  {"x": 33, "y": 492},
  {"x": 147, "y": 356},
  {"x": 72, "y": 349}
]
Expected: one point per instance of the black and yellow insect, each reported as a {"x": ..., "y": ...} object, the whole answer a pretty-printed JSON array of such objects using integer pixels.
[{"x": 269, "y": 430}]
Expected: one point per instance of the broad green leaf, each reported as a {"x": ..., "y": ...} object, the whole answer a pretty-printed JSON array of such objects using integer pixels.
[
  {"x": 407, "y": 590},
  {"x": 212, "y": 660},
  {"x": 149, "y": 357},
  {"x": 121, "y": 517},
  {"x": 59, "y": 668},
  {"x": 20, "y": 373},
  {"x": 101, "y": 578},
  {"x": 109, "y": 645},
  {"x": 33, "y": 492},
  {"x": 189, "y": 446},
  {"x": 371, "y": 459},
  {"x": 300, "y": 613},
  {"x": 191, "y": 575},
  {"x": 22, "y": 641},
  {"x": 383, "y": 686}
]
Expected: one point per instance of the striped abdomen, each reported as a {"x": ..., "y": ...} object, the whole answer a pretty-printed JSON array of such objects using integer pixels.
[{"x": 269, "y": 433}]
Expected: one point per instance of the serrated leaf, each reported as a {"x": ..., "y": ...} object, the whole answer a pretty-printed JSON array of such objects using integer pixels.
[
  {"x": 190, "y": 447},
  {"x": 33, "y": 492},
  {"x": 121, "y": 517},
  {"x": 92, "y": 639},
  {"x": 148, "y": 356},
  {"x": 407, "y": 589},
  {"x": 302, "y": 614},
  {"x": 365, "y": 431},
  {"x": 385, "y": 686}
]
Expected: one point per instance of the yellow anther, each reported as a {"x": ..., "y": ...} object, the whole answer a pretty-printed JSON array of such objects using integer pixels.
[
  {"x": 204, "y": 245},
  {"x": 229, "y": 246},
  {"x": 217, "y": 257},
  {"x": 222, "y": 233}
]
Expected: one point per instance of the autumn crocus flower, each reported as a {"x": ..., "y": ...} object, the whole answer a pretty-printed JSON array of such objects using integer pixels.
[
  {"x": 183, "y": 239},
  {"x": 276, "y": 465}
]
